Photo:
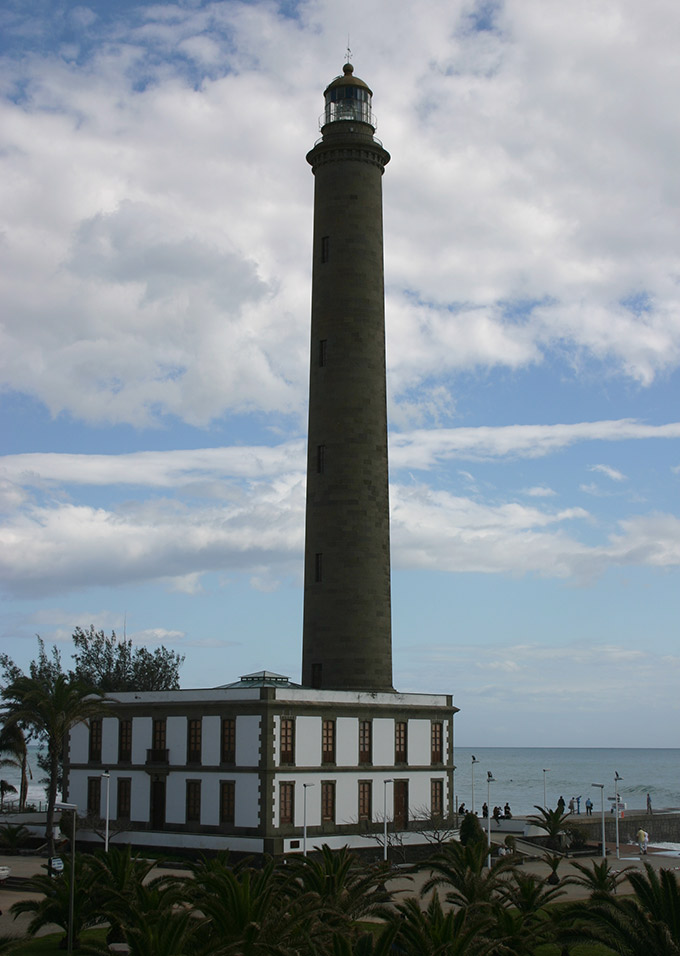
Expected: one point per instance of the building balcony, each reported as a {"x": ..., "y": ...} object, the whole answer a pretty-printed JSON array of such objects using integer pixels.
[{"x": 157, "y": 757}]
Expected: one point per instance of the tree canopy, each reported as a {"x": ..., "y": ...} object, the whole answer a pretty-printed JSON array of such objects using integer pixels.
[{"x": 111, "y": 663}]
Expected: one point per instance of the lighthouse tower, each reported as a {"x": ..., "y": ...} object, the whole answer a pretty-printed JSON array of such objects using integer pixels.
[
  {"x": 347, "y": 640},
  {"x": 258, "y": 765}
]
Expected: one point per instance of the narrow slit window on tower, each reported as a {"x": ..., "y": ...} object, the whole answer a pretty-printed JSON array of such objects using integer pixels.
[
  {"x": 320, "y": 459},
  {"x": 323, "y": 352},
  {"x": 325, "y": 248},
  {"x": 318, "y": 567}
]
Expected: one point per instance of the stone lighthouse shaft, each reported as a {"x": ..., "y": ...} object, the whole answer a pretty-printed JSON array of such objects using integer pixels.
[{"x": 347, "y": 640}]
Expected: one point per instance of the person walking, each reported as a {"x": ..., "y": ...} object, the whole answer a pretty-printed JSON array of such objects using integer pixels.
[
  {"x": 589, "y": 807},
  {"x": 643, "y": 840}
]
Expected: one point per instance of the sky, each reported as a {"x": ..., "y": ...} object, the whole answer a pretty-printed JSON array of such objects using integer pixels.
[{"x": 155, "y": 273}]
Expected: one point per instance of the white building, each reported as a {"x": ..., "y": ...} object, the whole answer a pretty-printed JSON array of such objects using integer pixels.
[{"x": 233, "y": 767}]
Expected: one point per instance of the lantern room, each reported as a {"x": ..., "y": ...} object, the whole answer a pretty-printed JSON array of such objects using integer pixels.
[{"x": 348, "y": 99}]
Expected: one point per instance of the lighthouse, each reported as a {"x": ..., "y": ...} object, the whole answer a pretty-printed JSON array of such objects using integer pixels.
[
  {"x": 259, "y": 764},
  {"x": 347, "y": 640}
]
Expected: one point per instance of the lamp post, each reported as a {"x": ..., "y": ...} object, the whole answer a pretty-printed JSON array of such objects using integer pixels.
[
  {"x": 616, "y": 804},
  {"x": 489, "y": 780},
  {"x": 304, "y": 817},
  {"x": 600, "y": 786},
  {"x": 474, "y": 761},
  {"x": 545, "y": 799},
  {"x": 107, "y": 776},
  {"x": 385, "y": 782},
  {"x": 71, "y": 890}
]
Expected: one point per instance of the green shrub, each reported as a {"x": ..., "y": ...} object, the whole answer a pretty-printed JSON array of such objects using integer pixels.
[{"x": 471, "y": 830}]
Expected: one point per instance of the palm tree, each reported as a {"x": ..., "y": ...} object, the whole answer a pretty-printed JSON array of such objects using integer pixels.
[
  {"x": 13, "y": 837},
  {"x": 115, "y": 877},
  {"x": 461, "y": 870},
  {"x": 366, "y": 944},
  {"x": 13, "y": 743},
  {"x": 647, "y": 923},
  {"x": 434, "y": 932},
  {"x": 551, "y": 822},
  {"x": 5, "y": 788},
  {"x": 659, "y": 895},
  {"x": 520, "y": 915},
  {"x": 157, "y": 921},
  {"x": 52, "y": 903},
  {"x": 346, "y": 891},
  {"x": 50, "y": 705},
  {"x": 600, "y": 878},
  {"x": 252, "y": 912}
]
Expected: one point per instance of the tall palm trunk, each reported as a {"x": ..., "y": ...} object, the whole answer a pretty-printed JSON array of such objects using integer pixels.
[{"x": 51, "y": 798}]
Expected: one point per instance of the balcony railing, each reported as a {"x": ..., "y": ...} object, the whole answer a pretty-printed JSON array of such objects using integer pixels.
[{"x": 157, "y": 756}]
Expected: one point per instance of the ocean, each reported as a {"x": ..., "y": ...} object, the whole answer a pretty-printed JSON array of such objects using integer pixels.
[{"x": 518, "y": 776}]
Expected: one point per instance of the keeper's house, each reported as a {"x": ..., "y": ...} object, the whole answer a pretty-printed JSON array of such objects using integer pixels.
[{"x": 233, "y": 767}]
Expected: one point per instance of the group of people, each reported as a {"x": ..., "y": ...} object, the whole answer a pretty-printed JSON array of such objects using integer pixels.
[
  {"x": 499, "y": 813},
  {"x": 574, "y": 805}
]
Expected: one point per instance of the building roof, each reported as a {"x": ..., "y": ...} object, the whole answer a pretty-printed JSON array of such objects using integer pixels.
[{"x": 260, "y": 679}]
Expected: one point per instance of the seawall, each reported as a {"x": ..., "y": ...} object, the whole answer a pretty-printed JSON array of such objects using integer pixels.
[{"x": 662, "y": 827}]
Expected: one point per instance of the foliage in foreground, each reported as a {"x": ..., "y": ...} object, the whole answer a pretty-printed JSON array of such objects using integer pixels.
[{"x": 313, "y": 906}]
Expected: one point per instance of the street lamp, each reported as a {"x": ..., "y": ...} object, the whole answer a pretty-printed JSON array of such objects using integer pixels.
[
  {"x": 107, "y": 776},
  {"x": 474, "y": 761},
  {"x": 616, "y": 802},
  {"x": 304, "y": 817},
  {"x": 545, "y": 799},
  {"x": 385, "y": 782},
  {"x": 600, "y": 786},
  {"x": 489, "y": 780},
  {"x": 71, "y": 890}
]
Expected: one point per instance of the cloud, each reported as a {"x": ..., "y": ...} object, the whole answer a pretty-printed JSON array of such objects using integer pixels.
[
  {"x": 539, "y": 491},
  {"x": 241, "y": 509},
  {"x": 423, "y": 449},
  {"x": 189, "y": 468},
  {"x": 609, "y": 472},
  {"x": 153, "y": 178},
  {"x": 416, "y": 450}
]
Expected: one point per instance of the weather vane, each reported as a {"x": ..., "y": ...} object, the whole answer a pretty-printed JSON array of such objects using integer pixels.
[{"x": 348, "y": 55}]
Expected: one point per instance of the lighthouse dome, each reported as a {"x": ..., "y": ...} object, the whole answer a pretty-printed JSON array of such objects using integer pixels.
[{"x": 348, "y": 98}]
